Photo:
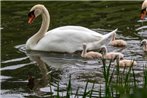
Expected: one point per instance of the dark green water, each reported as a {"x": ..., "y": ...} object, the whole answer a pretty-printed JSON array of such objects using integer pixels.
[{"x": 100, "y": 16}]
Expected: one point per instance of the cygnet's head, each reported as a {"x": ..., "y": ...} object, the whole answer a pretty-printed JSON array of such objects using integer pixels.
[
  {"x": 103, "y": 49},
  {"x": 143, "y": 43}
]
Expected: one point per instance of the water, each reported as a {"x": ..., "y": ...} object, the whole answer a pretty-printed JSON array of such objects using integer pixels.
[{"x": 50, "y": 68}]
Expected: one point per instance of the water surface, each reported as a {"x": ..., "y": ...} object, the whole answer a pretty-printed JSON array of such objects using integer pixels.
[{"x": 50, "y": 68}]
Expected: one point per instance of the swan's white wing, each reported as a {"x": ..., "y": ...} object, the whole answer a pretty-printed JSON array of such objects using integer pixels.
[
  {"x": 75, "y": 28},
  {"x": 66, "y": 40}
]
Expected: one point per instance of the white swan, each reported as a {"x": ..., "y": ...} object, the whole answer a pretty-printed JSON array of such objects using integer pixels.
[
  {"x": 110, "y": 55},
  {"x": 118, "y": 42},
  {"x": 62, "y": 39},
  {"x": 90, "y": 54},
  {"x": 143, "y": 9},
  {"x": 144, "y": 45}
]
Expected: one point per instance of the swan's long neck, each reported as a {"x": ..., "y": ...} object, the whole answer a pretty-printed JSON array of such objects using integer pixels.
[
  {"x": 45, "y": 22},
  {"x": 43, "y": 29}
]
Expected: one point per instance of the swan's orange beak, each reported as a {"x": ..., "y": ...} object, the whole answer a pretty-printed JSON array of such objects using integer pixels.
[
  {"x": 143, "y": 14},
  {"x": 31, "y": 18}
]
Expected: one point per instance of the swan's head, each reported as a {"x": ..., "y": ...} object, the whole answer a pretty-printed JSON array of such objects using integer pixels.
[
  {"x": 144, "y": 10},
  {"x": 35, "y": 11},
  {"x": 143, "y": 43}
]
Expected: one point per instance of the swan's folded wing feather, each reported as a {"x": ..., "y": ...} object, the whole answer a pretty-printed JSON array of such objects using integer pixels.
[
  {"x": 74, "y": 35},
  {"x": 66, "y": 40},
  {"x": 69, "y": 40}
]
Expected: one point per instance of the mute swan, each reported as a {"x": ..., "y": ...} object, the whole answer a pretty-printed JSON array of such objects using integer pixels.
[
  {"x": 118, "y": 42},
  {"x": 91, "y": 54},
  {"x": 125, "y": 62},
  {"x": 62, "y": 39},
  {"x": 110, "y": 55},
  {"x": 144, "y": 45},
  {"x": 143, "y": 9}
]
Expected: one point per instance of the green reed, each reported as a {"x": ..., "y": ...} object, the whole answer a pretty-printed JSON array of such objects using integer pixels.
[
  {"x": 69, "y": 89},
  {"x": 118, "y": 87}
]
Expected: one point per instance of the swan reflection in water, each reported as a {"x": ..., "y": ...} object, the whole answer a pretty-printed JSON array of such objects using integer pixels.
[
  {"x": 57, "y": 68},
  {"x": 34, "y": 84}
]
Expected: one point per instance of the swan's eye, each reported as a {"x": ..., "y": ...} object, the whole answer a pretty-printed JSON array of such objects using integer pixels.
[{"x": 31, "y": 14}]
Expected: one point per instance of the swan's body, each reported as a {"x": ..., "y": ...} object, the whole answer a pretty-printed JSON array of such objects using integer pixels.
[
  {"x": 144, "y": 45},
  {"x": 126, "y": 63},
  {"x": 143, "y": 9},
  {"x": 62, "y": 39},
  {"x": 110, "y": 55},
  {"x": 118, "y": 42},
  {"x": 91, "y": 54}
]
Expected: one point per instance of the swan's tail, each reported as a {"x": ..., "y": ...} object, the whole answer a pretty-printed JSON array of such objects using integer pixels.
[
  {"x": 104, "y": 41},
  {"x": 107, "y": 38},
  {"x": 110, "y": 34}
]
